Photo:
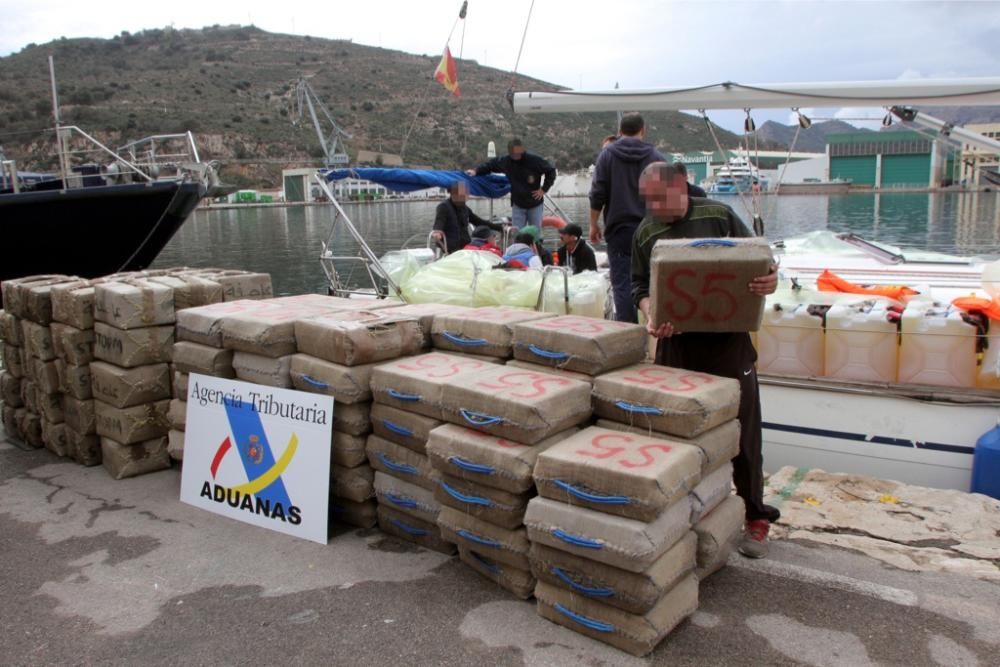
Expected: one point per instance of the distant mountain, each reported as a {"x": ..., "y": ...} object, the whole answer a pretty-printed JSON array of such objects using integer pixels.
[
  {"x": 811, "y": 140},
  {"x": 964, "y": 115},
  {"x": 235, "y": 89}
]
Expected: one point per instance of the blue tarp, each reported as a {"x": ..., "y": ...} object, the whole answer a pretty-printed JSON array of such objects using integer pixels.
[{"x": 493, "y": 186}]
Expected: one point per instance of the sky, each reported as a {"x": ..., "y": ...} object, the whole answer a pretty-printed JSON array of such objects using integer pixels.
[{"x": 594, "y": 45}]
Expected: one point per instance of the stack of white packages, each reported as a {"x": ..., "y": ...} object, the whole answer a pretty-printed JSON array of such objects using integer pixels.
[
  {"x": 612, "y": 544},
  {"x": 407, "y": 395},
  {"x": 691, "y": 408},
  {"x": 337, "y": 355}
]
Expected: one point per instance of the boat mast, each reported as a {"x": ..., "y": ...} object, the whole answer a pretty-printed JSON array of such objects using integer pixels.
[{"x": 55, "y": 116}]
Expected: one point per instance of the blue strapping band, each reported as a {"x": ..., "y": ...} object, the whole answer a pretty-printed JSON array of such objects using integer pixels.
[
  {"x": 547, "y": 354},
  {"x": 398, "y": 395},
  {"x": 400, "y": 501},
  {"x": 472, "y": 537},
  {"x": 641, "y": 409},
  {"x": 478, "y": 418},
  {"x": 462, "y": 340},
  {"x": 591, "y": 497},
  {"x": 712, "y": 242},
  {"x": 314, "y": 382},
  {"x": 580, "y": 588},
  {"x": 397, "y": 429},
  {"x": 575, "y": 540},
  {"x": 585, "y": 621},
  {"x": 470, "y": 466},
  {"x": 461, "y": 497},
  {"x": 397, "y": 467},
  {"x": 406, "y": 528}
]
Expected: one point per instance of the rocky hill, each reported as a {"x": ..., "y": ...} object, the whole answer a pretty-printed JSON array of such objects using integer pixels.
[
  {"x": 812, "y": 139},
  {"x": 235, "y": 88}
]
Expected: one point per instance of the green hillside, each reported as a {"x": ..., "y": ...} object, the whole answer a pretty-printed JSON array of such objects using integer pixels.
[{"x": 234, "y": 87}]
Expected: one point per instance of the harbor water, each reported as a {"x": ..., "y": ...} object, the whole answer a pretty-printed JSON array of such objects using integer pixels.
[{"x": 285, "y": 241}]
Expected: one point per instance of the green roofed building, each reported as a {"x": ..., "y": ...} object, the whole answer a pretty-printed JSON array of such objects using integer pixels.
[{"x": 887, "y": 160}]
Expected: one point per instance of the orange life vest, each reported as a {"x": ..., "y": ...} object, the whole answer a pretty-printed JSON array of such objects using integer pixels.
[{"x": 831, "y": 282}]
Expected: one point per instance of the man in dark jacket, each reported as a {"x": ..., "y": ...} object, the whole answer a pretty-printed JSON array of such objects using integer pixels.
[
  {"x": 615, "y": 190},
  {"x": 452, "y": 218},
  {"x": 574, "y": 252},
  {"x": 525, "y": 171}
]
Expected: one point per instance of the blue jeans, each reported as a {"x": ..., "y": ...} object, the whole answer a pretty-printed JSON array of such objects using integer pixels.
[
  {"x": 522, "y": 217},
  {"x": 620, "y": 260}
]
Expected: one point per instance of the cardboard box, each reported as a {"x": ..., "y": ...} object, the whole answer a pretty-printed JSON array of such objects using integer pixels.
[
  {"x": 347, "y": 384},
  {"x": 719, "y": 533},
  {"x": 360, "y": 337},
  {"x": 72, "y": 345},
  {"x": 191, "y": 357},
  {"x": 348, "y": 450},
  {"x": 515, "y": 404},
  {"x": 702, "y": 284},
  {"x": 79, "y": 415},
  {"x": 353, "y": 418},
  {"x": 718, "y": 446},
  {"x": 626, "y": 543},
  {"x": 406, "y": 497},
  {"x": 496, "y": 506},
  {"x": 84, "y": 448},
  {"x": 415, "y": 383},
  {"x": 130, "y": 460},
  {"x": 486, "y": 459},
  {"x": 10, "y": 329},
  {"x": 625, "y": 474},
  {"x": 711, "y": 491},
  {"x": 125, "y": 387},
  {"x": 485, "y": 331},
  {"x": 412, "y": 529},
  {"x": 496, "y": 543},
  {"x": 135, "y": 347},
  {"x": 518, "y": 581},
  {"x": 398, "y": 461},
  {"x": 259, "y": 369},
  {"x": 135, "y": 424},
  {"x": 634, "y": 592},
  {"x": 175, "y": 445},
  {"x": 362, "y": 515},
  {"x": 133, "y": 305},
  {"x": 404, "y": 428},
  {"x": 582, "y": 344},
  {"x": 355, "y": 484},
  {"x": 668, "y": 400},
  {"x": 634, "y": 634},
  {"x": 75, "y": 380}
]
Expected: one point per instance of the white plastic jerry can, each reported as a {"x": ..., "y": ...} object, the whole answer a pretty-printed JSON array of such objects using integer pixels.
[
  {"x": 862, "y": 341},
  {"x": 791, "y": 340},
  {"x": 988, "y": 376},
  {"x": 936, "y": 346}
]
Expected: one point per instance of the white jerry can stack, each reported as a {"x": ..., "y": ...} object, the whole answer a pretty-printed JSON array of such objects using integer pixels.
[
  {"x": 862, "y": 340},
  {"x": 937, "y": 346},
  {"x": 791, "y": 340}
]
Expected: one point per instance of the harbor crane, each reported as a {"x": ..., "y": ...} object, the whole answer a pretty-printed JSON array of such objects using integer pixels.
[
  {"x": 984, "y": 146},
  {"x": 334, "y": 145}
]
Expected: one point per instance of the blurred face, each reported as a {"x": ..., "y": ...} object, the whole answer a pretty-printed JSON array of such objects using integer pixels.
[
  {"x": 461, "y": 194},
  {"x": 666, "y": 200},
  {"x": 569, "y": 240},
  {"x": 516, "y": 153}
]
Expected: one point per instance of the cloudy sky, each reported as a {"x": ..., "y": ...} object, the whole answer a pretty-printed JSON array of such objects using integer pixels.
[{"x": 593, "y": 45}]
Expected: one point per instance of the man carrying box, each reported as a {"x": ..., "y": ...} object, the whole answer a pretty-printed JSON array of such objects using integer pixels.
[{"x": 671, "y": 214}]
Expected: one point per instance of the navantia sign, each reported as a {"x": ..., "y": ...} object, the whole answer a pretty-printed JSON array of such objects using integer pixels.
[{"x": 259, "y": 455}]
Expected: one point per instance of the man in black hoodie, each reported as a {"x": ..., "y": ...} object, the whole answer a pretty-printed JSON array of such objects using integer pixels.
[
  {"x": 452, "y": 218},
  {"x": 615, "y": 190},
  {"x": 525, "y": 171}
]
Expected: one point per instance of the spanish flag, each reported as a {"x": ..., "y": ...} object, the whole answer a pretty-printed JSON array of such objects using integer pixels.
[{"x": 446, "y": 73}]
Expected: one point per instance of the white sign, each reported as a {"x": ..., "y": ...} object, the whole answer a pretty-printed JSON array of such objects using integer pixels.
[{"x": 259, "y": 454}]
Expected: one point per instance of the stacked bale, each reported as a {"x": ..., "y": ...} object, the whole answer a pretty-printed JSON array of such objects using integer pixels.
[
  {"x": 337, "y": 354},
  {"x": 12, "y": 376},
  {"x": 690, "y": 408},
  {"x": 612, "y": 544},
  {"x": 407, "y": 395}
]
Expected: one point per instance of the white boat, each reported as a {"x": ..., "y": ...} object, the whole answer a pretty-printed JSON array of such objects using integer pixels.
[{"x": 738, "y": 175}]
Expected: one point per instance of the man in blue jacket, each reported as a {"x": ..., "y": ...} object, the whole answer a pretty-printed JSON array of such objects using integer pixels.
[
  {"x": 615, "y": 190},
  {"x": 530, "y": 178}
]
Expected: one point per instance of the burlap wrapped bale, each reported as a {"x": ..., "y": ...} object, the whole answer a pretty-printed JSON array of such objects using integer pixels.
[
  {"x": 701, "y": 284},
  {"x": 634, "y": 634},
  {"x": 398, "y": 461},
  {"x": 123, "y": 460},
  {"x": 669, "y": 400},
  {"x": 362, "y": 515},
  {"x": 10, "y": 329},
  {"x": 711, "y": 490},
  {"x": 582, "y": 344},
  {"x": 719, "y": 533},
  {"x": 72, "y": 345},
  {"x": 180, "y": 385},
  {"x": 561, "y": 372},
  {"x": 348, "y": 450},
  {"x": 135, "y": 347},
  {"x": 624, "y": 474},
  {"x": 499, "y": 507},
  {"x": 515, "y": 580},
  {"x": 8, "y": 415},
  {"x": 259, "y": 369},
  {"x": 73, "y": 303},
  {"x": 85, "y": 448},
  {"x": 268, "y": 333},
  {"x": 347, "y": 384},
  {"x": 133, "y": 305},
  {"x": 13, "y": 360},
  {"x": 425, "y": 313},
  {"x": 406, "y": 497},
  {"x": 359, "y": 337},
  {"x": 177, "y": 415},
  {"x": 352, "y": 418},
  {"x": 496, "y": 543},
  {"x": 197, "y": 358},
  {"x": 125, "y": 387},
  {"x": 38, "y": 340},
  {"x": 415, "y": 383},
  {"x": 10, "y": 390},
  {"x": 54, "y": 437},
  {"x": 135, "y": 424},
  {"x": 412, "y": 529},
  {"x": 203, "y": 324},
  {"x": 15, "y": 293},
  {"x": 238, "y": 285},
  {"x": 50, "y": 406},
  {"x": 718, "y": 446},
  {"x": 519, "y": 405},
  {"x": 486, "y": 331},
  {"x": 45, "y": 375},
  {"x": 191, "y": 291},
  {"x": 175, "y": 445},
  {"x": 31, "y": 428},
  {"x": 75, "y": 380},
  {"x": 626, "y": 543},
  {"x": 29, "y": 395},
  {"x": 404, "y": 428},
  {"x": 355, "y": 484},
  {"x": 634, "y": 592},
  {"x": 79, "y": 415},
  {"x": 38, "y": 300}
]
